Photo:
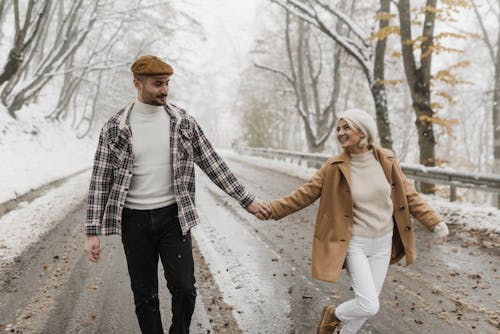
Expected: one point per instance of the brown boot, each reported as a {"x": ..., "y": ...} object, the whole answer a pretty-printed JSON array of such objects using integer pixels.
[{"x": 328, "y": 321}]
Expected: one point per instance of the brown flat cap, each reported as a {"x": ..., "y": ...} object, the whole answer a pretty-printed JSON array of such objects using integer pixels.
[{"x": 151, "y": 65}]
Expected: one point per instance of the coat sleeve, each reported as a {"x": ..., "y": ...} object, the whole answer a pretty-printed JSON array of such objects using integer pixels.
[
  {"x": 299, "y": 198},
  {"x": 101, "y": 182},
  {"x": 216, "y": 169},
  {"x": 419, "y": 208}
]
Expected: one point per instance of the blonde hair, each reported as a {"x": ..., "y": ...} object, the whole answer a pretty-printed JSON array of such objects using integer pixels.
[{"x": 363, "y": 143}]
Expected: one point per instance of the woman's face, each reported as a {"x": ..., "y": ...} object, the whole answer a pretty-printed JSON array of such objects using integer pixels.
[{"x": 349, "y": 138}]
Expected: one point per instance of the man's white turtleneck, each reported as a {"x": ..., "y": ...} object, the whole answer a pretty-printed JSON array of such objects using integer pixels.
[{"x": 152, "y": 180}]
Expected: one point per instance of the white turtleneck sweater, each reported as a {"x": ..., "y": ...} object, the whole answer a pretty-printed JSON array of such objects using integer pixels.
[
  {"x": 371, "y": 196},
  {"x": 152, "y": 174}
]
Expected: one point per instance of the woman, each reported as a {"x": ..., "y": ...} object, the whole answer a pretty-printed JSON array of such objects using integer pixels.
[{"x": 363, "y": 221}]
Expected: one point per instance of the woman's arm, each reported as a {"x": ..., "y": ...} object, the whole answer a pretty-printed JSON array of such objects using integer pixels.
[
  {"x": 419, "y": 208},
  {"x": 299, "y": 198}
]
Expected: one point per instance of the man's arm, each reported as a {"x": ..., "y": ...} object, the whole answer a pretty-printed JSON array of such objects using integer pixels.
[
  {"x": 101, "y": 182},
  {"x": 218, "y": 171}
]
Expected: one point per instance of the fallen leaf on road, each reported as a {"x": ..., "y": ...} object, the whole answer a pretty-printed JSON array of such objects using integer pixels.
[
  {"x": 418, "y": 322},
  {"x": 307, "y": 297}
]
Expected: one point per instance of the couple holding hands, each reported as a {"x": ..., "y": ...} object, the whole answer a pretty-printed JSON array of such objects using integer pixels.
[{"x": 143, "y": 187}]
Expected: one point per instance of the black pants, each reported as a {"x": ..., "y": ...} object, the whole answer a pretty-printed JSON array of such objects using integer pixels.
[{"x": 148, "y": 235}]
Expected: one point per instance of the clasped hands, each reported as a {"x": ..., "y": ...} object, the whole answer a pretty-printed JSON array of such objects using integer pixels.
[{"x": 259, "y": 209}]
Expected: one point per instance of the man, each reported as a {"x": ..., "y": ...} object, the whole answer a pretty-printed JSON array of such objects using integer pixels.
[{"x": 143, "y": 186}]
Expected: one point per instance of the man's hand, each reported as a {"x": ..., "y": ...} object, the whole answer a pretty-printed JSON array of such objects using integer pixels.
[
  {"x": 259, "y": 208},
  {"x": 92, "y": 248}
]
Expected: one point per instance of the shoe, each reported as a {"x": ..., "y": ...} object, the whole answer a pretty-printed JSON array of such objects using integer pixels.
[{"x": 328, "y": 321}]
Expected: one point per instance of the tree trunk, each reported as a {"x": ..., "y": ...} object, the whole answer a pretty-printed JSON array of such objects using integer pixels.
[
  {"x": 423, "y": 111},
  {"x": 496, "y": 112},
  {"x": 73, "y": 38},
  {"x": 24, "y": 36},
  {"x": 13, "y": 63},
  {"x": 378, "y": 88},
  {"x": 419, "y": 79}
]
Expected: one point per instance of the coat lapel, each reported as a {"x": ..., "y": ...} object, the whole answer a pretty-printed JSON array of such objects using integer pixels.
[
  {"x": 344, "y": 162},
  {"x": 383, "y": 159}
]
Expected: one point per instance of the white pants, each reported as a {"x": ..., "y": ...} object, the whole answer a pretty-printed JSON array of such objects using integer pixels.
[{"x": 367, "y": 261}]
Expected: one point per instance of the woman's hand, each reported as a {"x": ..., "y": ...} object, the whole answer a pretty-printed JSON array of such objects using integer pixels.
[
  {"x": 259, "y": 208},
  {"x": 268, "y": 213},
  {"x": 441, "y": 232}
]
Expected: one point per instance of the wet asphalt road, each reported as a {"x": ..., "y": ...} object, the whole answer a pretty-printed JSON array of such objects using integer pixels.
[
  {"x": 252, "y": 277},
  {"x": 54, "y": 289},
  {"x": 452, "y": 288}
]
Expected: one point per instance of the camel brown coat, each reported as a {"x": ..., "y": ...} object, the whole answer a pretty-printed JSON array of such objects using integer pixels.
[{"x": 333, "y": 228}]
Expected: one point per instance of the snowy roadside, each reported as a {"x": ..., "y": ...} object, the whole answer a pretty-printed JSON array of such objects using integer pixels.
[
  {"x": 29, "y": 222},
  {"x": 469, "y": 217},
  {"x": 36, "y": 152}
]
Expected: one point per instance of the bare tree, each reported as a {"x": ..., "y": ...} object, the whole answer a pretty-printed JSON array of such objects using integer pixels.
[
  {"x": 378, "y": 88},
  {"x": 70, "y": 36},
  {"x": 355, "y": 44},
  {"x": 304, "y": 74},
  {"x": 25, "y": 33},
  {"x": 494, "y": 53},
  {"x": 74, "y": 75},
  {"x": 419, "y": 79}
]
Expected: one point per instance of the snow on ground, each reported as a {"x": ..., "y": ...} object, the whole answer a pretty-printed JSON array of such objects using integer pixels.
[
  {"x": 35, "y": 152},
  {"x": 30, "y": 221}
]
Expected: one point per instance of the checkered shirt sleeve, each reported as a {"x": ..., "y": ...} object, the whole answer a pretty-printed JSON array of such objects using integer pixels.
[
  {"x": 100, "y": 186},
  {"x": 216, "y": 169}
]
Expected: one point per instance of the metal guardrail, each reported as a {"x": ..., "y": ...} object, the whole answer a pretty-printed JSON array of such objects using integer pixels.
[{"x": 476, "y": 181}]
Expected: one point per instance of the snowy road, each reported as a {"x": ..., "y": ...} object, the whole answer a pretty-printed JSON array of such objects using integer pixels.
[
  {"x": 264, "y": 270},
  {"x": 253, "y": 276},
  {"x": 53, "y": 289}
]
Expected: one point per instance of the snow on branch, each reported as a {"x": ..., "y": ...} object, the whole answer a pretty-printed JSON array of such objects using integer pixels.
[
  {"x": 360, "y": 51},
  {"x": 356, "y": 29}
]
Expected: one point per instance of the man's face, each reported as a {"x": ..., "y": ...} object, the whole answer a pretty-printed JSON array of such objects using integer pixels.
[{"x": 152, "y": 90}]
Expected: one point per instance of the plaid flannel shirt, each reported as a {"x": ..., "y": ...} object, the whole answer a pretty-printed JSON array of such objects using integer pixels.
[{"x": 112, "y": 171}]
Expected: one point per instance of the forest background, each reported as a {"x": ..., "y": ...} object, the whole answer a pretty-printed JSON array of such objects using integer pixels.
[{"x": 264, "y": 73}]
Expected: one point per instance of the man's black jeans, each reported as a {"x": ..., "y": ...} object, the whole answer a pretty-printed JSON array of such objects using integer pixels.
[{"x": 148, "y": 235}]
